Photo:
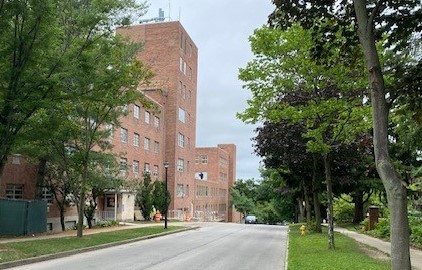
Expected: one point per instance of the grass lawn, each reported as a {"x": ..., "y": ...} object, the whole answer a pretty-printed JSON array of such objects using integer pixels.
[
  {"x": 33, "y": 248},
  {"x": 311, "y": 252}
]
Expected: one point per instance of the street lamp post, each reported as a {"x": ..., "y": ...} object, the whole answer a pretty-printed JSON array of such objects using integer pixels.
[{"x": 166, "y": 166}]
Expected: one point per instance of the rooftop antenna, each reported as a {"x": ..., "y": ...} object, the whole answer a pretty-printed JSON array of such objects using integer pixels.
[
  {"x": 180, "y": 13},
  {"x": 160, "y": 17},
  {"x": 169, "y": 10},
  {"x": 161, "y": 14}
]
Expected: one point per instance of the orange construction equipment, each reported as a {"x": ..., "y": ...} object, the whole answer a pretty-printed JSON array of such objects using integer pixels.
[{"x": 157, "y": 216}]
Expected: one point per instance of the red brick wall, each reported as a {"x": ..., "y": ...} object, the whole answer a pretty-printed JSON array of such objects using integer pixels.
[
  {"x": 19, "y": 171},
  {"x": 162, "y": 50},
  {"x": 219, "y": 168}
]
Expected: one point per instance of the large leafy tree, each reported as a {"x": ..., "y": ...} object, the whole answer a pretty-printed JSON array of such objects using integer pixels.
[
  {"x": 105, "y": 80},
  {"x": 242, "y": 196},
  {"x": 287, "y": 84},
  {"x": 370, "y": 20},
  {"x": 41, "y": 42},
  {"x": 283, "y": 148}
]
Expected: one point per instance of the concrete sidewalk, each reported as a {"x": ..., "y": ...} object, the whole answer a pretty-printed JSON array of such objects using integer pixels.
[
  {"x": 384, "y": 246},
  {"x": 72, "y": 233}
]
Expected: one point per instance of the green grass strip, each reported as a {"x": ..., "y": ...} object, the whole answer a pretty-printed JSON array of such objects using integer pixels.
[
  {"x": 311, "y": 252},
  {"x": 32, "y": 248}
]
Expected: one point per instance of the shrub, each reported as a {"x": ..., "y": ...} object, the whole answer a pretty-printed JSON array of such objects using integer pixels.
[
  {"x": 415, "y": 224},
  {"x": 365, "y": 224},
  {"x": 343, "y": 210},
  {"x": 107, "y": 223},
  {"x": 382, "y": 228}
]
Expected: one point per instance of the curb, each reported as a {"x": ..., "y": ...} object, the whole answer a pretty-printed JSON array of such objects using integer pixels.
[
  {"x": 47, "y": 257},
  {"x": 286, "y": 259}
]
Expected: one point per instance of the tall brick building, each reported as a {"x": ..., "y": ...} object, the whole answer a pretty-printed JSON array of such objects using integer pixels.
[
  {"x": 147, "y": 138},
  {"x": 173, "y": 57}
]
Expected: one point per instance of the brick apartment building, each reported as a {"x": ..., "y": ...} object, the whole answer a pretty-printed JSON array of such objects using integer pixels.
[
  {"x": 149, "y": 138},
  {"x": 215, "y": 173}
]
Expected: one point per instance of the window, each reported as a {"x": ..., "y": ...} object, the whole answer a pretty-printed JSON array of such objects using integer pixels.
[
  {"x": 147, "y": 117},
  {"x": 136, "y": 111},
  {"x": 190, "y": 50},
  {"x": 135, "y": 166},
  {"x": 156, "y": 147},
  {"x": 155, "y": 170},
  {"x": 204, "y": 159},
  {"x": 156, "y": 121},
  {"x": 146, "y": 167},
  {"x": 136, "y": 139},
  {"x": 181, "y": 140},
  {"x": 181, "y": 64},
  {"x": 179, "y": 190},
  {"x": 14, "y": 191},
  {"x": 180, "y": 165},
  {"x": 182, "y": 115},
  {"x": 181, "y": 41},
  {"x": 47, "y": 195},
  {"x": 123, "y": 135},
  {"x": 123, "y": 164},
  {"x": 146, "y": 143},
  {"x": 196, "y": 159},
  {"x": 184, "y": 92}
]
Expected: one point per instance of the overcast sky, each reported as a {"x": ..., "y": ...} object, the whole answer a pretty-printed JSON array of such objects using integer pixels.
[{"x": 220, "y": 30}]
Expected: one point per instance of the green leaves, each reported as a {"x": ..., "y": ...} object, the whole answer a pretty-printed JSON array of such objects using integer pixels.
[{"x": 288, "y": 84}]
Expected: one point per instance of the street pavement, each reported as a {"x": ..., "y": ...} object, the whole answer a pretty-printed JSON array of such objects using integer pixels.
[
  {"x": 383, "y": 246},
  {"x": 214, "y": 246}
]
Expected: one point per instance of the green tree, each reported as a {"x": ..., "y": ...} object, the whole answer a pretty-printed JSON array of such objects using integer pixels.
[
  {"x": 145, "y": 197},
  {"x": 371, "y": 20},
  {"x": 287, "y": 84},
  {"x": 242, "y": 198},
  {"x": 159, "y": 196},
  {"x": 104, "y": 174},
  {"x": 41, "y": 42}
]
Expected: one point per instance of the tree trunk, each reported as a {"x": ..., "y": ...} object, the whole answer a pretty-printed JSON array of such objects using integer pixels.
[
  {"x": 307, "y": 204},
  {"x": 301, "y": 216},
  {"x": 61, "y": 208},
  {"x": 358, "y": 211},
  {"x": 81, "y": 205},
  {"x": 330, "y": 220},
  {"x": 315, "y": 195},
  {"x": 395, "y": 188}
]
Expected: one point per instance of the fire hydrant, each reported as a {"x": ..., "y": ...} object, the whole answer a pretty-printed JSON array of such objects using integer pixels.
[{"x": 302, "y": 230}]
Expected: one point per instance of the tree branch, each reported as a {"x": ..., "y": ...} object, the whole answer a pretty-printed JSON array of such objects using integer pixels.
[{"x": 374, "y": 13}]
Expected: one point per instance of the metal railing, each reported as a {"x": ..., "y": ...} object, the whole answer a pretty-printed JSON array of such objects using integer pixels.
[{"x": 104, "y": 215}]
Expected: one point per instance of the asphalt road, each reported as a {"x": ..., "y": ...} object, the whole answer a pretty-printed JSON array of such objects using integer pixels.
[{"x": 213, "y": 246}]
